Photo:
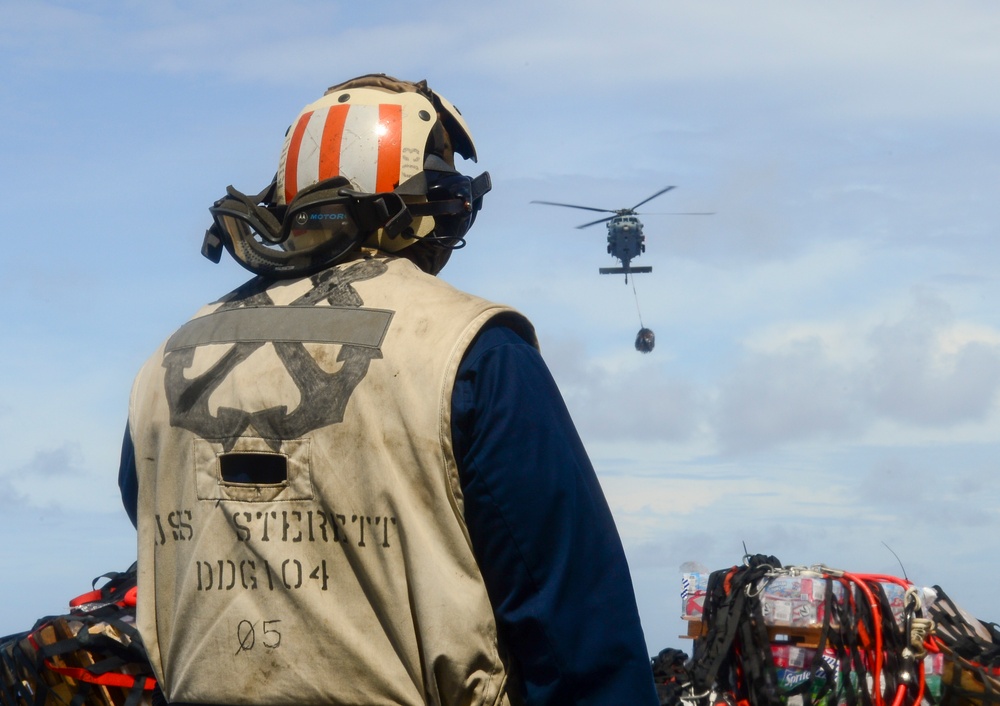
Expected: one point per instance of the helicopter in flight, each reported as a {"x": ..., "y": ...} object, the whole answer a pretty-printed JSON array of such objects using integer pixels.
[
  {"x": 626, "y": 242},
  {"x": 625, "y": 238}
]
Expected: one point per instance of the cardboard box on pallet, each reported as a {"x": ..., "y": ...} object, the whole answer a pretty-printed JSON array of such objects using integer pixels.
[
  {"x": 795, "y": 601},
  {"x": 933, "y": 672},
  {"x": 794, "y": 668}
]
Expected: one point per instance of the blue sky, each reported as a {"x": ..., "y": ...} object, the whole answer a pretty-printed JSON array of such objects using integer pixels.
[{"x": 825, "y": 382}]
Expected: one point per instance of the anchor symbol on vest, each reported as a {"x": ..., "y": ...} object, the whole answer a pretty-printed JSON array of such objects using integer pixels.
[{"x": 323, "y": 395}]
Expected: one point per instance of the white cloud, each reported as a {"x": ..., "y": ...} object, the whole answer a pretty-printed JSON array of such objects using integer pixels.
[
  {"x": 852, "y": 53},
  {"x": 604, "y": 396},
  {"x": 61, "y": 478},
  {"x": 867, "y": 376},
  {"x": 63, "y": 461},
  {"x": 912, "y": 377},
  {"x": 647, "y": 508},
  {"x": 9, "y": 495},
  {"x": 833, "y": 380},
  {"x": 796, "y": 394}
]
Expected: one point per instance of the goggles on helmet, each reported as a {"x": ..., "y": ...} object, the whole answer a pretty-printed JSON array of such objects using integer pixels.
[{"x": 328, "y": 220}]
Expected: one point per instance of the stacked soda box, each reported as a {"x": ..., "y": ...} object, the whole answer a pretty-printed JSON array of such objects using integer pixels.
[
  {"x": 793, "y": 601},
  {"x": 794, "y": 667},
  {"x": 796, "y": 601}
]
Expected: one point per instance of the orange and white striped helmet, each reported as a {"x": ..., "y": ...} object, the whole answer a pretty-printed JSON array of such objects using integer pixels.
[{"x": 377, "y": 132}]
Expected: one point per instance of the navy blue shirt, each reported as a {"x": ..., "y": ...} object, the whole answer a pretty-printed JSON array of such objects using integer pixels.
[{"x": 541, "y": 530}]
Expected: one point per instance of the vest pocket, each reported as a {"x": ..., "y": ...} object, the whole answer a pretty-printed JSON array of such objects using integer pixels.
[
  {"x": 253, "y": 471},
  {"x": 254, "y": 468}
]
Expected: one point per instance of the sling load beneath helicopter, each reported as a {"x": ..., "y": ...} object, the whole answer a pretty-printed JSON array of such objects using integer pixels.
[
  {"x": 625, "y": 243},
  {"x": 645, "y": 339}
]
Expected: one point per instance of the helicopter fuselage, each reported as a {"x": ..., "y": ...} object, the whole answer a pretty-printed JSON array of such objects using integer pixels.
[{"x": 625, "y": 239}]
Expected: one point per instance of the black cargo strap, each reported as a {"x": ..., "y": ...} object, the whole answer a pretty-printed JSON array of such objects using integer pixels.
[
  {"x": 28, "y": 661},
  {"x": 972, "y": 650},
  {"x": 735, "y": 652}
]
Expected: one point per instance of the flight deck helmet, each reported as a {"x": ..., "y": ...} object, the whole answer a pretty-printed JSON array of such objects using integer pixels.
[{"x": 369, "y": 164}]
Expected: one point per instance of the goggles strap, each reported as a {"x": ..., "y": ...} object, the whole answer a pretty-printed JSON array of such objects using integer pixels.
[
  {"x": 211, "y": 246},
  {"x": 261, "y": 212},
  {"x": 449, "y": 207},
  {"x": 373, "y": 211}
]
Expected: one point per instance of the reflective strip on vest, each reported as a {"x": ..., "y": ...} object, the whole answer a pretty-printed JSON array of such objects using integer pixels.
[{"x": 313, "y": 324}]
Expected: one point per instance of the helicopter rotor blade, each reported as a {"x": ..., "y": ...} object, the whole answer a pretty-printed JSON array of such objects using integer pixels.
[
  {"x": 658, "y": 193},
  {"x": 594, "y": 223},
  {"x": 676, "y": 213},
  {"x": 571, "y": 205}
]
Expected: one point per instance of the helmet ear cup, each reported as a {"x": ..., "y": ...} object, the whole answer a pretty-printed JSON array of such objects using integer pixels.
[{"x": 451, "y": 228}]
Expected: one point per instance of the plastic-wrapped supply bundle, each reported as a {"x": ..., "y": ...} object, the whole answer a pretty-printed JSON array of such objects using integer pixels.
[
  {"x": 970, "y": 652},
  {"x": 92, "y": 656},
  {"x": 771, "y": 635}
]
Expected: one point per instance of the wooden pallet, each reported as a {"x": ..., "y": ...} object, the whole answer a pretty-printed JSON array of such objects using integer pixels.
[
  {"x": 779, "y": 634},
  {"x": 23, "y": 671}
]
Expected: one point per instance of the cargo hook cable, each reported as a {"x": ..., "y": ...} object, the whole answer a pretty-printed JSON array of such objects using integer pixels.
[{"x": 636, "y": 295}]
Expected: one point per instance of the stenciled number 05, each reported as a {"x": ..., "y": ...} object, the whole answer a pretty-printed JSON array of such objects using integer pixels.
[{"x": 246, "y": 635}]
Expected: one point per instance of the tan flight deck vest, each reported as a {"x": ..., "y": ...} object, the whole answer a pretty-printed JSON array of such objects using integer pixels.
[{"x": 348, "y": 578}]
